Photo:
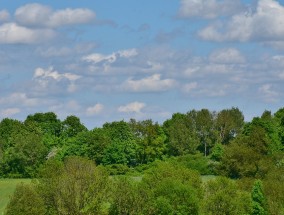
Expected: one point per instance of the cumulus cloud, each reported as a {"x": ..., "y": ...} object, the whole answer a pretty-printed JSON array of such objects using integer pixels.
[
  {"x": 265, "y": 24},
  {"x": 97, "y": 58},
  {"x": 209, "y": 9},
  {"x": 268, "y": 94},
  {"x": 134, "y": 107},
  {"x": 51, "y": 73},
  {"x": 9, "y": 112},
  {"x": 19, "y": 98},
  {"x": 11, "y": 33},
  {"x": 227, "y": 56},
  {"x": 50, "y": 79},
  {"x": 152, "y": 83},
  {"x": 96, "y": 109},
  {"x": 42, "y": 15}
]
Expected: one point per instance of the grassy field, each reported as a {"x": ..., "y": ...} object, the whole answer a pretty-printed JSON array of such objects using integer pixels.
[{"x": 7, "y": 187}]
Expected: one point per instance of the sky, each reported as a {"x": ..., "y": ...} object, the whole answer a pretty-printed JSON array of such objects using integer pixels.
[{"x": 109, "y": 60}]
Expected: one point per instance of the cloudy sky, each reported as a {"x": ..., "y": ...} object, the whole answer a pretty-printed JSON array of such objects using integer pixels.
[{"x": 119, "y": 59}]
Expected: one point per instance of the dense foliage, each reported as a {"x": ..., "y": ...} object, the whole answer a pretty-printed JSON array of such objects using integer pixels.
[{"x": 155, "y": 169}]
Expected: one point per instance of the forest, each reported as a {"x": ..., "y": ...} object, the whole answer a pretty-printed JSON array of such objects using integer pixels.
[{"x": 199, "y": 162}]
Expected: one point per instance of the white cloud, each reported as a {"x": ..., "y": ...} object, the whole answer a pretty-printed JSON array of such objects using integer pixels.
[
  {"x": 265, "y": 24},
  {"x": 42, "y": 15},
  {"x": 268, "y": 94},
  {"x": 209, "y": 9},
  {"x": 9, "y": 112},
  {"x": 96, "y": 109},
  {"x": 48, "y": 80},
  {"x": 226, "y": 56},
  {"x": 134, "y": 107},
  {"x": 11, "y": 33},
  {"x": 19, "y": 98},
  {"x": 152, "y": 83},
  {"x": 4, "y": 15},
  {"x": 51, "y": 73},
  {"x": 97, "y": 58}
]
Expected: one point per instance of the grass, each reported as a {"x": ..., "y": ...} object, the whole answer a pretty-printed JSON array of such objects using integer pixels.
[
  {"x": 7, "y": 187},
  {"x": 206, "y": 178}
]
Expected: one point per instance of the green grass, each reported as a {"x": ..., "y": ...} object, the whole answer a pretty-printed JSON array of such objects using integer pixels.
[
  {"x": 7, "y": 187},
  {"x": 206, "y": 178}
]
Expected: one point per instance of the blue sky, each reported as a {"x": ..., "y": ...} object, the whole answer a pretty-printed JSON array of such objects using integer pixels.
[{"x": 111, "y": 60}]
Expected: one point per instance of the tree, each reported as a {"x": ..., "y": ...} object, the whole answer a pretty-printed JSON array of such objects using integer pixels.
[
  {"x": 9, "y": 128},
  {"x": 258, "y": 199},
  {"x": 223, "y": 197},
  {"x": 229, "y": 123},
  {"x": 172, "y": 189},
  {"x": 128, "y": 196},
  {"x": 274, "y": 190},
  {"x": 247, "y": 155},
  {"x": 123, "y": 148},
  {"x": 181, "y": 136},
  {"x": 279, "y": 119},
  {"x": 203, "y": 122},
  {"x": 48, "y": 122},
  {"x": 77, "y": 187},
  {"x": 25, "y": 201},
  {"x": 150, "y": 139},
  {"x": 72, "y": 126},
  {"x": 25, "y": 154}
]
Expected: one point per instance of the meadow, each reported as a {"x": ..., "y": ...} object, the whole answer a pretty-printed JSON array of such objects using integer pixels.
[{"x": 7, "y": 187}]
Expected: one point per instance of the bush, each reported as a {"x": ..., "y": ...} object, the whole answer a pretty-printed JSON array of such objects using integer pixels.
[
  {"x": 195, "y": 162},
  {"x": 25, "y": 201}
]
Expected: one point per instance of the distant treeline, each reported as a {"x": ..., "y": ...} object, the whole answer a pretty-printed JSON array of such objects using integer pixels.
[{"x": 170, "y": 157}]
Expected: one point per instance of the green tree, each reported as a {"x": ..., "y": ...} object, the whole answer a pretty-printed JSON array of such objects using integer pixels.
[
  {"x": 123, "y": 148},
  {"x": 203, "y": 122},
  {"x": 72, "y": 126},
  {"x": 172, "y": 189},
  {"x": 9, "y": 128},
  {"x": 258, "y": 199},
  {"x": 223, "y": 197},
  {"x": 229, "y": 123},
  {"x": 128, "y": 197},
  {"x": 25, "y": 201},
  {"x": 48, "y": 122},
  {"x": 217, "y": 152},
  {"x": 247, "y": 155},
  {"x": 274, "y": 190},
  {"x": 181, "y": 136},
  {"x": 150, "y": 139},
  {"x": 76, "y": 187},
  {"x": 25, "y": 154}
]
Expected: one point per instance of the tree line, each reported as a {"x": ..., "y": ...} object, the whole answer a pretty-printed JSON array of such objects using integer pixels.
[{"x": 170, "y": 158}]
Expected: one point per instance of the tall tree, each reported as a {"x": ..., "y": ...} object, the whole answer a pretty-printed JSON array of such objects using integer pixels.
[
  {"x": 123, "y": 148},
  {"x": 258, "y": 199},
  {"x": 204, "y": 125},
  {"x": 48, "y": 122},
  {"x": 229, "y": 123},
  {"x": 181, "y": 136},
  {"x": 72, "y": 126},
  {"x": 150, "y": 139}
]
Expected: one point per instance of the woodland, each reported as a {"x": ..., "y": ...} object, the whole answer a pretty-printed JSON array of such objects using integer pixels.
[{"x": 199, "y": 162}]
